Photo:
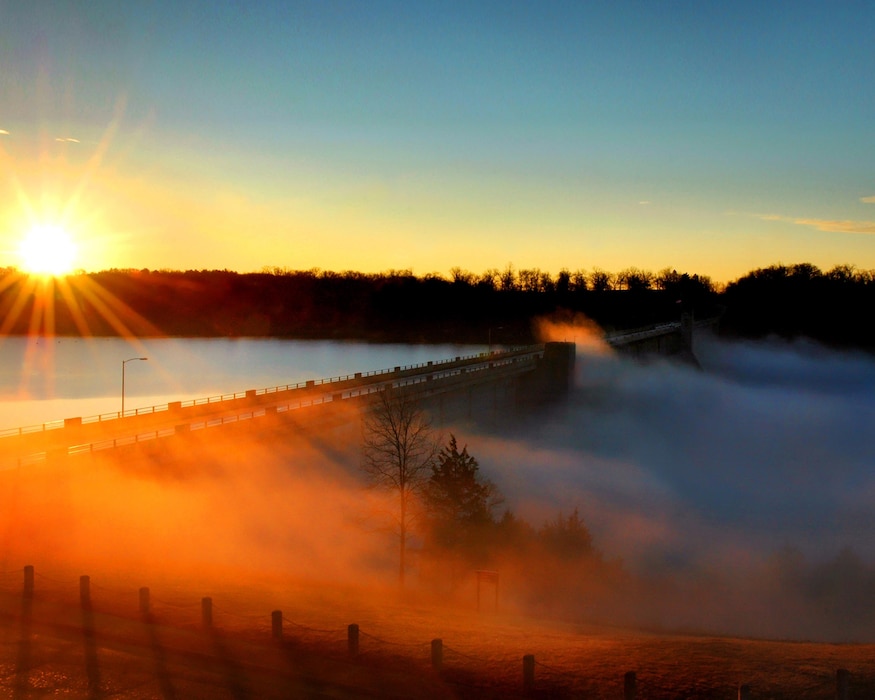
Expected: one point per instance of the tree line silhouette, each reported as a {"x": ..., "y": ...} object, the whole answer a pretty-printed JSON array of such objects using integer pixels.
[{"x": 397, "y": 305}]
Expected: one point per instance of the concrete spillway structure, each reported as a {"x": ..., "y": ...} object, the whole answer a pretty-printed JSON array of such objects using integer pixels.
[{"x": 504, "y": 391}]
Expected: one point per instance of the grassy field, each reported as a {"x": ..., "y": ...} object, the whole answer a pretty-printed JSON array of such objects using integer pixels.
[
  {"x": 51, "y": 646},
  {"x": 260, "y": 527}
]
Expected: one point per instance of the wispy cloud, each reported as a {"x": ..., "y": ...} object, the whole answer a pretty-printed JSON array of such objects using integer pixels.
[
  {"x": 827, "y": 225},
  {"x": 645, "y": 201},
  {"x": 868, "y": 200},
  {"x": 67, "y": 139},
  {"x": 3, "y": 132}
]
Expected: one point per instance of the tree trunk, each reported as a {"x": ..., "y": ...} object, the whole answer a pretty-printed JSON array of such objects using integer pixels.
[
  {"x": 401, "y": 562},
  {"x": 402, "y": 540}
]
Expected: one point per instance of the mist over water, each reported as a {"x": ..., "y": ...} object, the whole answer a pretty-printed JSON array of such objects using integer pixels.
[{"x": 746, "y": 487}]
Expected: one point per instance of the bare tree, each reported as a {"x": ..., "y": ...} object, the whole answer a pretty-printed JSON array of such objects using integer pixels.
[
  {"x": 489, "y": 279},
  {"x": 529, "y": 279},
  {"x": 600, "y": 280},
  {"x": 578, "y": 280},
  {"x": 635, "y": 279},
  {"x": 398, "y": 450},
  {"x": 508, "y": 279},
  {"x": 460, "y": 276},
  {"x": 563, "y": 281}
]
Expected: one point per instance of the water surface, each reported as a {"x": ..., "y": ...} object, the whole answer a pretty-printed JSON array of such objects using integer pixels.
[{"x": 43, "y": 380}]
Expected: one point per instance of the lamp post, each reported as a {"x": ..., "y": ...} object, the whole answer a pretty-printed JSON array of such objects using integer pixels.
[
  {"x": 124, "y": 362},
  {"x": 496, "y": 328}
]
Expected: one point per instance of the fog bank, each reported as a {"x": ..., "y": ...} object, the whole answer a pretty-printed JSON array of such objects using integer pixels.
[
  {"x": 743, "y": 492},
  {"x": 734, "y": 499}
]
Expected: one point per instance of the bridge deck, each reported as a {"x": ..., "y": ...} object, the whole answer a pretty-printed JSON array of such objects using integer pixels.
[{"x": 83, "y": 435}]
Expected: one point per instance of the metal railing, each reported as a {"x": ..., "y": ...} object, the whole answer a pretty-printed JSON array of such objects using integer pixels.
[{"x": 642, "y": 333}]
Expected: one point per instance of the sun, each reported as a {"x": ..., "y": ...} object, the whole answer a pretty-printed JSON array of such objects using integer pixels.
[{"x": 48, "y": 249}]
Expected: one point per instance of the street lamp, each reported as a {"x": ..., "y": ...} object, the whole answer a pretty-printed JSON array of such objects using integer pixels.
[
  {"x": 124, "y": 362},
  {"x": 496, "y": 328}
]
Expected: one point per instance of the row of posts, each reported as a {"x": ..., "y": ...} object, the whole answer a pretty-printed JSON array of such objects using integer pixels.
[{"x": 630, "y": 683}]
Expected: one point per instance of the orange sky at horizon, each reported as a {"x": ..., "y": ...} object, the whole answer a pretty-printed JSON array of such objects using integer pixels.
[
  {"x": 304, "y": 136},
  {"x": 125, "y": 214}
]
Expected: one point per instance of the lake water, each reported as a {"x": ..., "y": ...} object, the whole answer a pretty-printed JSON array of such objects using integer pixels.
[{"x": 43, "y": 380}]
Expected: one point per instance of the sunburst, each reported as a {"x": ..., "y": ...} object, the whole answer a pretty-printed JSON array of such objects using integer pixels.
[
  {"x": 48, "y": 249},
  {"x": 44, "y": 293}
]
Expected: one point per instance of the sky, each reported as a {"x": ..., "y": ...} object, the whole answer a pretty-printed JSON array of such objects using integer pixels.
[{"x": 713, "y": 138}]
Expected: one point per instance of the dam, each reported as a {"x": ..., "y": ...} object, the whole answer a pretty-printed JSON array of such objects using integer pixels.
[{"x": 485, "y": 386}]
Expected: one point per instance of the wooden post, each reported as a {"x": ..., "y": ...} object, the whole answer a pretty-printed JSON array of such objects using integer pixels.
[
  {"x": 630, "y": 686},
  {"x": 276, "y": 624},
  {"x": 437, "y": 653},
  {"x": 353, "y": 639},
  {"x": 843, "y": 682},
  {"x": 743, "y": 692},
  {"x": 144, "y": 600},
  {"x": 529, "y": 673},
  {"x": 28, "y": 582},
  {"x": 207, "y": 612},
  {"x": 85, "y": 591}
]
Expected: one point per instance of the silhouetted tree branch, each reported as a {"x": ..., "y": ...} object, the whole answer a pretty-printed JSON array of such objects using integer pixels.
[{"x": 398, "y": 450}]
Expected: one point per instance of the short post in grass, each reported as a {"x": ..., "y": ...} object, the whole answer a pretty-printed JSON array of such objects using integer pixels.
[
  {"x": 352, "y": 634},
  {"x": 843, "y": 683},
  {"x": 529, "y": 672},
  {"x": 743, "y": 692},
  {"x": 437, "y": 654},
  {"x": 630, "y": 686},
  {"x": 28, "y": 582},
  {"x": 276, "y": 624},
  {"x": 207, "y": 612},
  {"x": 85, "y": 592}
]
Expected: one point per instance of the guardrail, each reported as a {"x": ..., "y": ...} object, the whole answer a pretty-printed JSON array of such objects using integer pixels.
[
  {"x": 642, "y": 333},
  {"x": 131, "y": 413}
]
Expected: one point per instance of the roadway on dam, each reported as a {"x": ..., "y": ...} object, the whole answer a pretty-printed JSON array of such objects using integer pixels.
[
  {"x": 84, "y": 435},
  {"x": 73, "y": 436}
]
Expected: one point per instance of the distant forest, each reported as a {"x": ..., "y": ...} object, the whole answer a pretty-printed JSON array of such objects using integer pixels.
[{"x": 496, "y": 306}]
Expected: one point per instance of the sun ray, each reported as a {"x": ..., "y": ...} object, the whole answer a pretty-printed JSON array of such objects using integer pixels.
[
  {"x": 41, "y": 298},
  {"x": 94, "y": 162},
  {"x": 65, "y": 287},
  {"x": 20, "y": 300},
  {"x": 114, "y": 311}
]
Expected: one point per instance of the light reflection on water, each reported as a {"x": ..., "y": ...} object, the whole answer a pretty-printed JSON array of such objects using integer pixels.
[{"x": 43, "y": 380}]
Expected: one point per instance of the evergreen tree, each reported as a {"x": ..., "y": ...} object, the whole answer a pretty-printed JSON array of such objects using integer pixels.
[
  {"x": 567, "y": 537},
  {"x": 459, "y": 501}
]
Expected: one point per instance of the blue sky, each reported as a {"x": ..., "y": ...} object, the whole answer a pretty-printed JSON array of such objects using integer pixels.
[{"x": 708, "y": 137}]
